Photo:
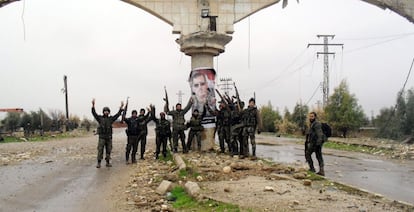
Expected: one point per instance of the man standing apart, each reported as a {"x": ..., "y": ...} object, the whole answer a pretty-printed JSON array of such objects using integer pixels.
[
  {"x": 314, "y": 142},
  {"x": 178, "y": 123},
  {"x": 251, "y": 121},
  {"x": 132, "y": 134},
  {"x": 105, "y": 132}
]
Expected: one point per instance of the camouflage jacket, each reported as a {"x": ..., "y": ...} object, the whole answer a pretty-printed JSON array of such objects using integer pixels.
[
  {"x": 105, "y": 123},
  {"x": 195, "y": 123},
  {"x": 132, "y": 126},
  {"x": 316, "y": 135},
  {"x": 162, "y": 127},
  {"x": 178, "y": 117}
]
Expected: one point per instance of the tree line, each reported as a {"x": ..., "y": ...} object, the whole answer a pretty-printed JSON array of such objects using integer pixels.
[
  {"x": 345, "y": 115},
  {"x": 41, "y": 121}
]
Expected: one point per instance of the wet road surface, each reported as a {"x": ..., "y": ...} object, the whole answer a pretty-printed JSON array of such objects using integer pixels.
[
  {"x": 62, "y": 181},
  {"x": 391, "y": 178}
]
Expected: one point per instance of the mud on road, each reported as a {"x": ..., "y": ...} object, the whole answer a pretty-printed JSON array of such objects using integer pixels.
[{"x": 60, "y": 175}]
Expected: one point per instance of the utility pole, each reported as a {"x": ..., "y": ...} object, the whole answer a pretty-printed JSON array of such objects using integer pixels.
[
  {"x": 65, "y": 90},
  {"x": 180, "y": 95},
  {"x": 325, "y": 54},
  {"x": 227, "y": 85}
]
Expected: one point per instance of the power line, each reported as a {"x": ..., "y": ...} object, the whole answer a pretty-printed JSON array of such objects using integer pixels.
[
  {"x": 380, "y": 37},
  {"x": 314, "y": 92},
  {"x": 287, "y": 68},
  {"x": 371, "y": 45},
  {"x": 399, "y": 96}
]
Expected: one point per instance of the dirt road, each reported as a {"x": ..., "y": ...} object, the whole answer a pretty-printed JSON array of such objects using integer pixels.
[{"x": 60, "y": 175}]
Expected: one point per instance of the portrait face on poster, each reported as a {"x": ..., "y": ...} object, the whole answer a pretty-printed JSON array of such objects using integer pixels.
[{"x": 202, "y": 83}]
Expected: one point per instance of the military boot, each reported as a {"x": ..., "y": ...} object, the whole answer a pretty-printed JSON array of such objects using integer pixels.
[
  {"x": 98, "y": 165},
  {"x": 108, "y": 163},
  {"x": 311, "y": 167},
  {"x": 321, "y": 171}
]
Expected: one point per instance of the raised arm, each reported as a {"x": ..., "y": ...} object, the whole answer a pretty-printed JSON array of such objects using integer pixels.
[
  {"x": 95, "y": 115},
  {"x": 189, "y": 104},
  {"x": 116, "y": 116}
]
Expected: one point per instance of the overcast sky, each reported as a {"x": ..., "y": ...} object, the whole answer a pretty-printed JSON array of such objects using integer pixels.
[{"x": 110, "y": 50}]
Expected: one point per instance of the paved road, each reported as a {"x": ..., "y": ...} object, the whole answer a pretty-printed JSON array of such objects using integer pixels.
[
  {"x": 391, "y": 178},
  {"x": 64, "y": 179}
]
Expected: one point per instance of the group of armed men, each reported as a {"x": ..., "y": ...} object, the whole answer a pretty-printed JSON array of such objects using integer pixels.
[{"x": 234, "y": 126}]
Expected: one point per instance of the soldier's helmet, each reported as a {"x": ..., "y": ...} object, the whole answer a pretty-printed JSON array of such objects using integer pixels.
[{"x": 106, "y": 109}]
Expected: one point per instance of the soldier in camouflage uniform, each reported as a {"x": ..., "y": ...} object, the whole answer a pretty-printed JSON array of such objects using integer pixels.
[
  {"x": 314, "y": 141},
  {"x": 236, "y": 128},
  {"x": 132, "y": 134},
  {"x": 143, "y": 120},
  {"x": 223, "y": 127},
  {"x": 251, "y": 122},
  {"x": 195, "y": 130},
  {"x": 178, "y": 123},
  {"x": 162, "y": 133},
  {"x": 105, "y": 132}
]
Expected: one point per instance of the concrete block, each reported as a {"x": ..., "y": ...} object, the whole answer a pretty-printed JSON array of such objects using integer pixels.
[
  {"x": 192, "y": 188},
  {"x": 163, "y": 187},
  {"x": 180, "y": 162}
]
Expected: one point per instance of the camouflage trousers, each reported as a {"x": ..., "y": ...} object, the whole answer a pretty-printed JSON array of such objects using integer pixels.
[
  {"x": 224, "y": 137},
  {"x": 132, "y": 144},
  {"x": 249, "y": 133},
  {"x": 310, "y": 148},
  {"x": 191, "y": 135},
  {"x": 176, "y": 133},
  {"x": 161, "y": 141},
  {"x": 104, "y": 143}
]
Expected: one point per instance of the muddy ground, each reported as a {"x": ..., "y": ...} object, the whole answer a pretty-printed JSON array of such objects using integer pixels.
[{"x": 61, "y": 176}]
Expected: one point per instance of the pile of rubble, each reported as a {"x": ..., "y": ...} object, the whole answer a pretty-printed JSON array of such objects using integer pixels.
[
  {"x": 148, "y": 187},
  {"x": 383, "y": 147}
]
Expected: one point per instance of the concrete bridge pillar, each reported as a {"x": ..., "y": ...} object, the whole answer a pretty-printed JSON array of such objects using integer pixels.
[{"x": 203, "y": 46}]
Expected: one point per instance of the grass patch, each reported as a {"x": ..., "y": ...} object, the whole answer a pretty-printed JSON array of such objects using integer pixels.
[
  {"x": 168, "y": 158},
  {"x": 188, "y": 172},
  {"x": 314, "y": 177},
  {"x": 37, "y": 138},
  {"x": 187, "y": 203}
]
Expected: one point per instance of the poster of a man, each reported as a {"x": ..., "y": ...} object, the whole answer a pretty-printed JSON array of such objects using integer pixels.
[{"x": 202, "y": 83}]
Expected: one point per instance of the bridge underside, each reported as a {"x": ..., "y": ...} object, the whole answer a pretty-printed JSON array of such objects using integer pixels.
[{"x": 404, "y": 8}]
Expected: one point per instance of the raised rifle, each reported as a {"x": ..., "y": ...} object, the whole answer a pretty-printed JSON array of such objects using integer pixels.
[
  {"x": 221, "y": 96},
  {"x": 125, "y": 109},
  {"x": 166, "y": 100},
  {"x": 237, "y": 96}
]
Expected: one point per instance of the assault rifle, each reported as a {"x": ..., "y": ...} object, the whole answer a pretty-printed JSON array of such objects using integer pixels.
[
  {"x": 221, "y": 96},
  {"x": 125, "y": 109},
  {"x": 237, "y": 96},
  {"x": 166, "y": 100}
]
